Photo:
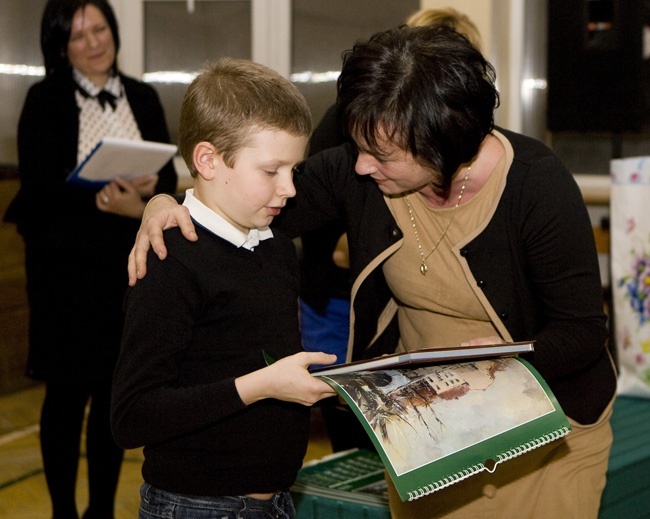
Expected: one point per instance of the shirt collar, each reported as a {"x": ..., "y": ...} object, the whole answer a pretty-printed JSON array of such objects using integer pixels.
[
  {"x": 221, "y": 227},
  {"x": 113, "y": 85}
]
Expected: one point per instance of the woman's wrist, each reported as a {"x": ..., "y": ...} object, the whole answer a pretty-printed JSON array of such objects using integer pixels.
[{"x": 159, "y": 195}]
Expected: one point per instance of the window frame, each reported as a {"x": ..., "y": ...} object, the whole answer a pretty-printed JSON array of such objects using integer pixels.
[{"x": 270, "y": 33}]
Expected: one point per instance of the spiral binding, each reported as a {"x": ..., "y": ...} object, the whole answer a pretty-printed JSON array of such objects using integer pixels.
[{"x": 479, "y": 467}]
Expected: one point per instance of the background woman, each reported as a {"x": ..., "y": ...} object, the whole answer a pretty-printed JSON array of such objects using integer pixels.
[{"x": 77, "y": 240}]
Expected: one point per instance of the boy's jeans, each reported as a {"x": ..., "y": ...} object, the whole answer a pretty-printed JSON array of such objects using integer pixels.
[{"x": 157, "y": 504}]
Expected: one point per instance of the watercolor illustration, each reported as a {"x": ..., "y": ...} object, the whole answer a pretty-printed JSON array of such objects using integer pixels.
[{"x": 415, "y": 415}]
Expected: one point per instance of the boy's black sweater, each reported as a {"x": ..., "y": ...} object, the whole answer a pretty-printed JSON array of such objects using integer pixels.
[{"x": 198, "y": 320}]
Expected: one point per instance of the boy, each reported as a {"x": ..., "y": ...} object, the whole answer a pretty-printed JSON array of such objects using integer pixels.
[{"x": 221, "y": 430}]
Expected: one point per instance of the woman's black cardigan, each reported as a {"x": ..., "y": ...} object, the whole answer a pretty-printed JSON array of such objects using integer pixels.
[{"x": 534, "y": 265}]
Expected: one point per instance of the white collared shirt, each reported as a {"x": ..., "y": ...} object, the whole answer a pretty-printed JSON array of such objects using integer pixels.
[
  {"x": 96, "y": 122},
  {"x": 221, "y": 227}
]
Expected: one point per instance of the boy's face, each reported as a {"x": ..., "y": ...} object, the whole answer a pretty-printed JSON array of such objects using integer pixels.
[{"x": 252, "y": 192}]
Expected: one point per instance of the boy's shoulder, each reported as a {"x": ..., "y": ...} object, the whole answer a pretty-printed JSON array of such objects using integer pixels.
[
  {"x": 174, "y": 237},
  {"x": 180, "y": 247},
  {"x": 191, "y": 256}
]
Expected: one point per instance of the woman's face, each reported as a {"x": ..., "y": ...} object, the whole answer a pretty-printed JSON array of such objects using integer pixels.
[
  {"x": 393, "y": 169},
  {"x": 91, "y": 48}
]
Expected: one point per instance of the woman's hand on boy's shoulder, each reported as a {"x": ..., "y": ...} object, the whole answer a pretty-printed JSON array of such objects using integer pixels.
[
  {"x": 162, "y": 212},
  {"x": 288, "y": 379}
]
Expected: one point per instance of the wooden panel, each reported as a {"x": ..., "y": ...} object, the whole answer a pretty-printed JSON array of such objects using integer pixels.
[
  {"x": 14, "y": 310},
  {"x": 602, "y": 240}
]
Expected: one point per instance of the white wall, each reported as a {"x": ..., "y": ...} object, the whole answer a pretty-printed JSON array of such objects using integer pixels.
[{"x": 130, "y": 20}]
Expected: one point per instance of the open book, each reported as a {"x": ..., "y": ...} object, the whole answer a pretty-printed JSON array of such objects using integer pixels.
[
  {"x": 113, "y": 157},
  {"x": 435, "y": 425}
]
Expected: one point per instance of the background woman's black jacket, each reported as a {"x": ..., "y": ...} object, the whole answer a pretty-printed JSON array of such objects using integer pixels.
[
  {"x": 534, "y": 266},
  {"x": 75, "y": 254}
]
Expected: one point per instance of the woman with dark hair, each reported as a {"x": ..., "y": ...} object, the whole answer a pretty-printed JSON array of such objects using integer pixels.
[
  {"x": 324, "y": 272},
  {"x": 76, "y": 312},
  {"x": 56, "y": 26},
  {"x": 459, "y": 233}
]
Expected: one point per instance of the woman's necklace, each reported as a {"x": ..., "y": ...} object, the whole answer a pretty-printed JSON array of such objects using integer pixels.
[{"x": 423, "y": 266}]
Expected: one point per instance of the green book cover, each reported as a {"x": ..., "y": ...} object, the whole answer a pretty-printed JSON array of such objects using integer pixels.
[
  {"x": 436, "y": 425},
  {"x": 357, "y": 475}
]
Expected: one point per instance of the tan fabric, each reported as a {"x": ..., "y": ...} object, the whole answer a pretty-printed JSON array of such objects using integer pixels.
[
  {"x": 439, "y": 309},
  {"x": 564, "y": 479},
  {"x": 378, "y": 261}
]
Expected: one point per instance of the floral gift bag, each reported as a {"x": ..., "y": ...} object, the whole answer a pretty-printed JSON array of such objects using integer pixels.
[{"x": 630, "y": 264}]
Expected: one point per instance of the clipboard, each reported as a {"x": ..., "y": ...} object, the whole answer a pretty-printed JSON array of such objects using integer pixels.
[{"x": 126, "y": 158}]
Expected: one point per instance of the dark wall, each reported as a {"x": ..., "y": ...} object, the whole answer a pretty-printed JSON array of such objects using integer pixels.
[{"x": 597, "y": 75}]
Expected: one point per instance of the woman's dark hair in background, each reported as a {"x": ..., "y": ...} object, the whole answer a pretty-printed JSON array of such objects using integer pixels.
[
  {"x": 55, "y": 31},
  {"x": 428, "y": 88}
]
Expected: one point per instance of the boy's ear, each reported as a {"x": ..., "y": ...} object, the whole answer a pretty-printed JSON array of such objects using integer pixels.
[{"x": 205, "y": 157}]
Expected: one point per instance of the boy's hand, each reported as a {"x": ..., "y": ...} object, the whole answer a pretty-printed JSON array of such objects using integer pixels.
[
  {"x": 162, "y": 212},
  {"x": 287, "y": 379}
]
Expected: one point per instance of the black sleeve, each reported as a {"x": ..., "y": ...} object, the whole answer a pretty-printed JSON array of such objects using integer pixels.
[{"x": 329, "y": 132}]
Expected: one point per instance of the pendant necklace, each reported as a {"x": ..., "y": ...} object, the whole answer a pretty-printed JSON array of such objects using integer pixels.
[{"x": 423, "y": 265}]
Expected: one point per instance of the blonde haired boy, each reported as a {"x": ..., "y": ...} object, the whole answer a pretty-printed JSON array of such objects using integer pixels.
[{"x": 221, "y": 430}]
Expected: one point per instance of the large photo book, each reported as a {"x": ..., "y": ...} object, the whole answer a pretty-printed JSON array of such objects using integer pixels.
[
  {"x": 126, "y": 158},
  {"x": 435, "y": 424}
]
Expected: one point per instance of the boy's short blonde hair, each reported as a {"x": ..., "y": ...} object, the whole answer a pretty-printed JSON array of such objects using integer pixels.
[
  {"x": 232, "y": 99},
  {"x": 447, "y": 16}
]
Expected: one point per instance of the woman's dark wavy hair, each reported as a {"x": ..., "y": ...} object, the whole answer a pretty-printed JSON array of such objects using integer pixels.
[
  {"x": 428, "y": 88},
  {"x": 55, "y": 31}
]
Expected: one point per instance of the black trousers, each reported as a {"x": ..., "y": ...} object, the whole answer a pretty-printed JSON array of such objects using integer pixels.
[{"x": 62, "y": 420}]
